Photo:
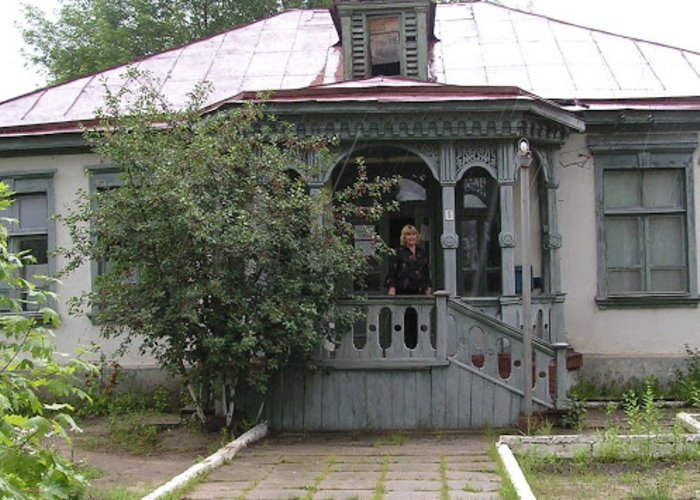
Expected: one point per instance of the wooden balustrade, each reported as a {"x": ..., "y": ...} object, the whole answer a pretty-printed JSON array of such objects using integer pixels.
[{"x": 424, "y": 332}]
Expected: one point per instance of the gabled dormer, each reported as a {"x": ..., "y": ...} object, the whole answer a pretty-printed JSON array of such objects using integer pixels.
[{"x": 383, "y": 37}]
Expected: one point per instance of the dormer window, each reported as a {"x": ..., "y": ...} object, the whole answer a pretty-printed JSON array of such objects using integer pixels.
[
  {"x": 384, "y": 45},
  {"x": 384, "y": 37}
]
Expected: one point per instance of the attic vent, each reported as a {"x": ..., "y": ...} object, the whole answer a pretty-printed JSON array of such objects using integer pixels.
[
  {"x": 359, "y": 51},
  {"x": 384, "y": 45},
  {"x": 410, "y": 29}
]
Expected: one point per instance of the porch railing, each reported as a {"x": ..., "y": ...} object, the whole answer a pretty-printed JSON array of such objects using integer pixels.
[
  {"x": 423, "y": 332},
  {"x": 392, "y": 332}
]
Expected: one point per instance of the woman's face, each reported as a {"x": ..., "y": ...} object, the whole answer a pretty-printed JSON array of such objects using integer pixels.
[{"x": 410, "y": 238}]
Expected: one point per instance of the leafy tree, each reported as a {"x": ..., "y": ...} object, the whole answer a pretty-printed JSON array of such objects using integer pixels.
[
  {"x": 222, "y": 264},
  {"x": 29, "y": 375},
  {"x": 92, "y": 35}
]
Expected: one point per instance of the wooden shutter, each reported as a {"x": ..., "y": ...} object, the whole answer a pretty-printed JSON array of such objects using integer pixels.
[
  {"x": 359, "y": 46},
  {"x": 410, "y": 30}
]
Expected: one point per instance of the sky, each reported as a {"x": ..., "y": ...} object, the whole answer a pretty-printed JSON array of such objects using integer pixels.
[{"x": 674, "y": 22}]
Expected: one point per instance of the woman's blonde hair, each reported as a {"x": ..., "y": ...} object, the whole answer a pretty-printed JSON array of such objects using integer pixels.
[{"x": 409, "y": 229}]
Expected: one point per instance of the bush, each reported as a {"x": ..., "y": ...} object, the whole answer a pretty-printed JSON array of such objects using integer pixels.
[{"x": 30, "y": 377}]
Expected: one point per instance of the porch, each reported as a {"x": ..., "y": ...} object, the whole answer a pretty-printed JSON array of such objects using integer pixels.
[{"x": 462, "y": 369}]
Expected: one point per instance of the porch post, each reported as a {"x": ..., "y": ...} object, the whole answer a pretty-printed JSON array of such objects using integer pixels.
[
  {"x": 449, "y": 239},
  {"x": 551, "y": 245},
  {"x": 506, "y": 239}
]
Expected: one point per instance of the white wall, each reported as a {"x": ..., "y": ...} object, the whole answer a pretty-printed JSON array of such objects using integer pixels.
[
  {"x": 69, "y": 177},
  {"x": 608, "y": 332}
]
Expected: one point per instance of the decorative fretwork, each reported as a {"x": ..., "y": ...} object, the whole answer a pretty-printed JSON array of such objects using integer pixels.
[
  {"x": 481, "y": 153},
  {"x": 425, "y": 126}
]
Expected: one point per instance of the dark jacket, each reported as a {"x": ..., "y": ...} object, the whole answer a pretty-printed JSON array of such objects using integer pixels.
[{"x": 409, "y": 273}]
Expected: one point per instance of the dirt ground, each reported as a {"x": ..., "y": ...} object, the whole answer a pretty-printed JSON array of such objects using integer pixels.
[{"x": 112, "y": 469}]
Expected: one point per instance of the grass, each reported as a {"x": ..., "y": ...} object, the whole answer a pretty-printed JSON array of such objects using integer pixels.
[
  {"x": 444, "y": 487},
  {"x": 561, "y": 478},
  {"x": 313, "y": 487},
  {"x": 396, "y": 438},
  {"x": 380, "y": 487}
]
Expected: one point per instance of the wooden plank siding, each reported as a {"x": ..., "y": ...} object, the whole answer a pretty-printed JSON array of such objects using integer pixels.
[{"x": 439, "y": 397}]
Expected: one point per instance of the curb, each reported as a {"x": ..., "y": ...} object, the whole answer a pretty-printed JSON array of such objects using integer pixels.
[
  {"x": 515, "y": 473},
  {"x": 214, "y": 460}
]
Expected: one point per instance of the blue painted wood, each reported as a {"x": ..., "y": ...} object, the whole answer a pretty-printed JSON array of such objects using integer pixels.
[
  {"x": 394, "y": 389},
  {"x": 313, "y": 396},
  {"x": 329, "y": 402},
  {"x": 438, "y": 398}
]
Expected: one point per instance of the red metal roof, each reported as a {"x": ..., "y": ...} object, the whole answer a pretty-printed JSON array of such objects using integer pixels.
[{"x": 479, "y": 44}]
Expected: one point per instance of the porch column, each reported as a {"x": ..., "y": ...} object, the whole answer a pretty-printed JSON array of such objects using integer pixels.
[
  {"x": 506, "y": 239},
  {"x": 551, "y": 244},
  {"x": 449, "y": 239}
]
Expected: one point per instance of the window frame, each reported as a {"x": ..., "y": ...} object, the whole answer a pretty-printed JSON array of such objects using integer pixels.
[
  {"x": 27, "y": 183},
  {"x": 101, "y": 176},
  {"x": 637, "y": 153}
]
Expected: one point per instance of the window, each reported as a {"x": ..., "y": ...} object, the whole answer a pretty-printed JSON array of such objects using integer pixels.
[
  {"x": 479, "y": 226},
  {"x": 384, "y": 47},
  {"x": 32, "y": 230},
  {"x": 102, "y": 180},
  {"x": 646, "y": 238}
]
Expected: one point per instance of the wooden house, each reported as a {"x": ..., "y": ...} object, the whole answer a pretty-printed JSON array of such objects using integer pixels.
[{"x": 442, "y": 96}]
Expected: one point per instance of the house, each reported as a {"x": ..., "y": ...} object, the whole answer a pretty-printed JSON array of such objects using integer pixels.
[{"x": 442, "y": 95}]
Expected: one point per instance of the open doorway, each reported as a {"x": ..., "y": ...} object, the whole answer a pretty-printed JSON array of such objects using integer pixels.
[{"x": 418, "y": 194}]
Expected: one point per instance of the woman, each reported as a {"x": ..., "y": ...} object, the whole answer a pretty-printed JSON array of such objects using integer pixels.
[{"x": 408, "y": 268}]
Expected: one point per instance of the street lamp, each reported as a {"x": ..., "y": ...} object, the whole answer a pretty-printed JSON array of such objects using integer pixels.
[{"x": 523, "y": 159}]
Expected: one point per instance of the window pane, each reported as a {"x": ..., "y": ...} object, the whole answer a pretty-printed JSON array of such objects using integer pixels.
[
  {"x": 32, "y": 211},
  {"x": 622, "y": 189},
  {"x": 663, "y": 189},
  {"x": 37, "y": 246},
  {"x": 666, "y": 241},
  {"x": 668, "y": 280},
  {"x": 622, "y": 236},
  {"x": 624, "y": 281}
]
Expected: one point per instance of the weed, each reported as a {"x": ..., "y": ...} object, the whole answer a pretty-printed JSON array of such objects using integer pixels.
[
  {"x": 444, "y": 487},
  {"x": 396, "y": 438},
  {"x": 575, "y": 413},
  {"x": 507, "y": 490},
  {"x": 380, "y": 488},
  {"x": 471, "y": 489},
  {"x": 688, "y": 381},
  {"x": 133, "y": 433},
  {"x": 544, "y": 429},
  {"x": 313, "y": 487}
]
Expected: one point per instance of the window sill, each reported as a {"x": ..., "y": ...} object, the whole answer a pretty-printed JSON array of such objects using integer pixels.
[{"x": 647, "y": 301}]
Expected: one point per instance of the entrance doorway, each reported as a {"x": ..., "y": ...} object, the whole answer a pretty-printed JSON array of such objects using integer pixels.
[{"x": 419, "y": 202}]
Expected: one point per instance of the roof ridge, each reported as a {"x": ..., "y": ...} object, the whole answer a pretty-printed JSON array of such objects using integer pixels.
[{"x": 496, "y": 3}]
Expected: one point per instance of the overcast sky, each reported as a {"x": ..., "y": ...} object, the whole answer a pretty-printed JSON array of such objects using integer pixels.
[{"x": 674, "y": 22}]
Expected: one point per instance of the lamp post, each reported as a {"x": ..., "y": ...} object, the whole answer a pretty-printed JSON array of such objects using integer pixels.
[{"x": 523, "y": 160}]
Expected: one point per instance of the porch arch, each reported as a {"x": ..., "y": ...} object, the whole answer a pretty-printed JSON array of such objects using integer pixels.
[
  {"x": 419, "y": 195},
  {"x": 466, "y": 168},
  {"x": 348, "y": 151}
]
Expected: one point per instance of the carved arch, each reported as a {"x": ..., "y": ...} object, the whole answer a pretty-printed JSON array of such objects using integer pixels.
[
  {"x": 426, "y": 153},
  {"x": 463, "y": 170}
]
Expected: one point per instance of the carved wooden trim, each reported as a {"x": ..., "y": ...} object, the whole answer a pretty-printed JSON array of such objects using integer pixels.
[{"x": 435, "y": 126}]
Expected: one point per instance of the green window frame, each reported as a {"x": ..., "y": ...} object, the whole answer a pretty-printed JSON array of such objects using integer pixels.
[
  {"x": 33, "y": 230},
  {"x": 645, "y": 216},
  {"x": 102, "y": 178}
]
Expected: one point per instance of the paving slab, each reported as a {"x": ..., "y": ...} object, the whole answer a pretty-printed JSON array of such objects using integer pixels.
[
  {"x": 411, "y": 486},
  {"x": 341, "y": 466},
  {"x": 344, "y": 495}
]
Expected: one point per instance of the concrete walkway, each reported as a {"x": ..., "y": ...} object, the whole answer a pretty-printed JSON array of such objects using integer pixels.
[{"x": 389, "y": 466}]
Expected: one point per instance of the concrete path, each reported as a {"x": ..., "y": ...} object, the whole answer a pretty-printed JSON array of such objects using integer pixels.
[{"x": 388, "y": 466}]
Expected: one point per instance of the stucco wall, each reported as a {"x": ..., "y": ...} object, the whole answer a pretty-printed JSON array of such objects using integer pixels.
[
  {"x": 608, "y": 333},
  {"x": 68, "y": 178}
]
